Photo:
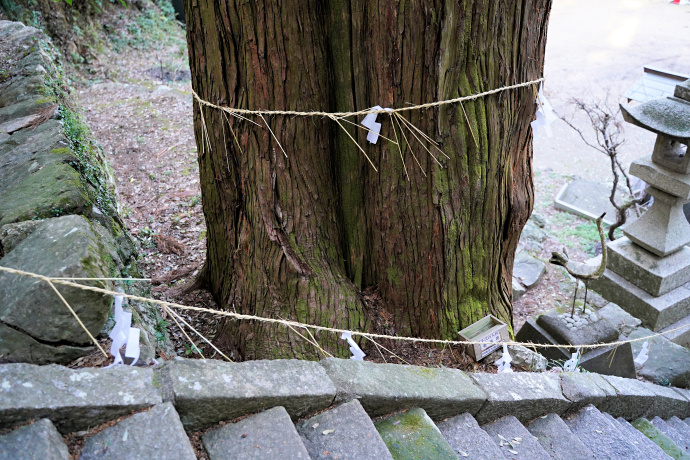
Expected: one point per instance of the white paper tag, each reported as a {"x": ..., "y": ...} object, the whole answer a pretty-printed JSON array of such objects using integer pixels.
[
  {"x": 133, "y": 350},
  {"x": 503, "y": 364},
  {"x": 357, "y": 353},
  {"x": 370, "y": 123},
  {"x": 545, "y": 116},
  {"x": 571, "y": 364},
  {"x": 643, "y": 355}
]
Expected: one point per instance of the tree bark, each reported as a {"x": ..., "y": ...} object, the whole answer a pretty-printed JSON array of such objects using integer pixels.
[{"x": 301, "y": 235}]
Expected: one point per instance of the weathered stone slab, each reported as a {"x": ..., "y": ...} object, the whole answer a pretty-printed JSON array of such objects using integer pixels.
[
  {"x": 582, "y": 333},
  {"x": 585, "y": 388},
  {"x": 633, "y": 398},
  {"x": 350, "y": 434},
  {"x": 623, "y": 321},
  {"x": 522, "y": 357},
  {"x": 678, "y": 332},
  {"x": 17, "y": 347},
  {"x": 385, "y": 388},
  {"x": 668, "y": 363},
  {"x": 62, "y": 247},
  {"x": 208, "y": 391},
  {"x": 660, "y": 439},
  {"x": 269, "y": 434},
  {"x": 588, "y": 199},
  {"x": 468, "y": 440},
  {"x": 679, "y": 426},
  {"x": 522, "y": 394},
  {"x": 55, "y": 186},
  {"x": 655, "y": 312},
  {"x": 13, "y": 234},
  {"x": 412, "y": 435},
  {"x": 680, "y": 440},
  {"x": 655, "y": 275},
  {"x": 40, "y": 440},
  {"x": 518, "y": 290},
  {"x": 524, "y": 446},
  {"x": 610, "y": 360},
  {"x": 527, "y": 269},
  {"x": 682, "y": 410},
  {"x": 531, "y": 332},
  {"x": 73, "y": 399},
  {"x": 637, "y": 439},
  {"x": 601, "y": 436},
  {"x": 557, "y": 439},
  {"x": 667, "y": 402},
  {"x": 157, "y": 433}
]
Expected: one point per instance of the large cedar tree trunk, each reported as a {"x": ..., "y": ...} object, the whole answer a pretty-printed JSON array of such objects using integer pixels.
[{"x": 302, "y": 237}]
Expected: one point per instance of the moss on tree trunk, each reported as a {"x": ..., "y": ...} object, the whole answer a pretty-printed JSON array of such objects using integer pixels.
[{"x": 300, "y": 237}]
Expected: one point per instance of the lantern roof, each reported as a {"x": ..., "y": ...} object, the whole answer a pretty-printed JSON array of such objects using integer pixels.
[{"x": 669, "y": 116}]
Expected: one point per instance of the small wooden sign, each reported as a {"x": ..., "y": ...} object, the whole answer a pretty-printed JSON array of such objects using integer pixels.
[{"x": 487, "y": 329}]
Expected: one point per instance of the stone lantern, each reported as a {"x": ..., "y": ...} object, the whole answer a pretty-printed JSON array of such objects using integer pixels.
[{"x": 648, "y": 273}]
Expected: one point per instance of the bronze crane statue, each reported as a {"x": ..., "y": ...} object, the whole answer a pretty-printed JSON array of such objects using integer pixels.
[{"x": 579, "y": 270}]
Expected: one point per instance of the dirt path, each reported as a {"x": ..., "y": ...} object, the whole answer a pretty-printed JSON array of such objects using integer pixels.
[{"x": 144, "y": 124}]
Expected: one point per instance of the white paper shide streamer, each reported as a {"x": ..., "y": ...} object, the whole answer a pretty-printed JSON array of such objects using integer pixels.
[
  {"x": 357, "y": 353},
  {"x": 571, "y": 364},
  {"x": 545, "y": 116},
  {"x": 643, "y": 355},
  {"x": 369, "y": 122},
  {"x": 503, "y": 363},
  {"x": 123, "y": 334}
]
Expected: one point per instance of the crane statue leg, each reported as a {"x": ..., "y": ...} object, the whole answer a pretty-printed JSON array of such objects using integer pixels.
[{"x": 577, "y": 285}]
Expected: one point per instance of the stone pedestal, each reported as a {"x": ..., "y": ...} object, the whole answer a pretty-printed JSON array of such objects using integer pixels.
[{"x": 648, "y": 273}]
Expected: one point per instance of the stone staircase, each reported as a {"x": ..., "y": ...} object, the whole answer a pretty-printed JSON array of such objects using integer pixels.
[
  {"x": 347, "y": 432},
  {"x": 334, "y": 409}
]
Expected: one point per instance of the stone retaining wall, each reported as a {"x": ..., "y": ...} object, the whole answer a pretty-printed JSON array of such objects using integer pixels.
[{"x": 58, "y": 212}]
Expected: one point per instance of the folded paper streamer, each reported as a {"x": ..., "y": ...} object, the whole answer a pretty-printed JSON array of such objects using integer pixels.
[
  {"x": 571, "y": 364},
  {"x": 370, "y": 123},
  {"x": 504, "y": 363},
  {"x": 545, "y": 116},
  {"x": 123, "y": 334},
  {"x": 643, "y": 356},
  {"x": 357, "y": 353}
]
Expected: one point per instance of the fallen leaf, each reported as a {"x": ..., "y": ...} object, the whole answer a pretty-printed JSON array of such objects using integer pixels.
[
  {"x": 514, "y": 452},
  {"x": 464, "y": 454},
  {"x": 328, "y": 431}
]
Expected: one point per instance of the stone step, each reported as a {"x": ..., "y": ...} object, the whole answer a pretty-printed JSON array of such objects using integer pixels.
[
  {"x": 468, "y": 440},
  {"x": 514, "y": 440},
  {"x": 687, "y": 421},
  {"x": 412, "y": 435},
  {"x": 73, "y": 399},
  {"x": 525, "y": 395},
  {"x": 557, "y": 439},
  {"x": 601, "y": 436},
  {"x": 660, "y": 439},
  {"x": 209, "y": 391},
  {"x": 679, "y": 426},
  {"x": 157, "y": 433},
  {"x": 681, "y": 441},
  {"x": 385, "y": 388},
  {"x": 642, "y": 442},
  {"x": 40, "y": 440},
  {"x": 346, "y": 432},
  {"x": 268, "y": 434}
]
